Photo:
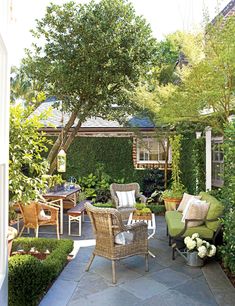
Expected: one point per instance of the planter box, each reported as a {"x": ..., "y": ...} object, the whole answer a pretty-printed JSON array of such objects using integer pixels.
[{"x": 142, "y": 217}]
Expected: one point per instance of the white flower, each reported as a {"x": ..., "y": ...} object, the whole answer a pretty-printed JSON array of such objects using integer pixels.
[
  {"x": 207, "y": 244},
  {"x": 186, "y": 239},
  {"x": 191, "y": 244},
  {"x": 212, "y": 251},
  {"x": 199, "y": 242},
  {"x": 202, "y": 251},
  {"x": 195, "y": 235}
]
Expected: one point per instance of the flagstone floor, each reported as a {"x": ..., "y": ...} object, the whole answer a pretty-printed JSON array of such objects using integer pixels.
[{"x": 168, "y": 283}]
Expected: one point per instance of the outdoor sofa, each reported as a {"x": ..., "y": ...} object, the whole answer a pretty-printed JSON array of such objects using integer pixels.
[{"x": 208, "y": 230}]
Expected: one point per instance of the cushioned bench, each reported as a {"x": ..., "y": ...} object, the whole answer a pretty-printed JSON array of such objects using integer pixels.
[{"x": 210, "y": 228}]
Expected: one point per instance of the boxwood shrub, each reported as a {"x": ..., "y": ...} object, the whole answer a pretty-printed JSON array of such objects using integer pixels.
[{"x": 29, "y": 277}]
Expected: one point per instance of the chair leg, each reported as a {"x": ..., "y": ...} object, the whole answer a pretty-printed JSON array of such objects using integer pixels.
[
  {"x": 169, "y": 240},
  {"x": 114, "y": 272},
  {"x": 58, "y": 230},
  {"x": 146, "y": 262},
  {"x": 36, "y": 231},
  {"x": 90, "y": 262},
  {"x": 167, "y": 233},
  {"x": 22, "y": 230}
]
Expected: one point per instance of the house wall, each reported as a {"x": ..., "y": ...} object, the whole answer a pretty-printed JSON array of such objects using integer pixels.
[{"x": 4, "y": 152}]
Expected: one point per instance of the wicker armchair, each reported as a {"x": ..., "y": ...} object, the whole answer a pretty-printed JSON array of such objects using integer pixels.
[
  {"x": 107, "y": 223},
  {"x": 30, "y": 214},
  {"x": 125, "y": 211}
]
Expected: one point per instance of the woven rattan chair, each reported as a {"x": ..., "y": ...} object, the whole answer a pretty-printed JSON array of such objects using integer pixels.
[
  {"x": 125, "y": 211},
  {"x": 107, "y": 223},
  {"x": 30, "y": 214}
]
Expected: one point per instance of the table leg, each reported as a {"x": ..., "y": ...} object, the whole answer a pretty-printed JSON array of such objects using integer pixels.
[{"x": 61, "y": 216}]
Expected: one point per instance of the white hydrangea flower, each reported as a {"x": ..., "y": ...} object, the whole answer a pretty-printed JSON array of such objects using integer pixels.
[
  {"x": 202, "y": 251},
  {"x": 212, "y": 251},
  {"x": 191, "y": 244},
  {"x": 195, "y": 235},
  {"x": 206, "y": 243},
  {"x": 186, "y": 239},
  {"x": 199, "y": 242}
]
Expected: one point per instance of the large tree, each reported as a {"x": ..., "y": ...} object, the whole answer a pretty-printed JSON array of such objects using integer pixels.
[
  {"x": 206, "y": 87},
  {"x": 88, "y": 56}
]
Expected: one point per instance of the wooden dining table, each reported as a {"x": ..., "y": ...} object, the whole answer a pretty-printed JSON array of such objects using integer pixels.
[{"x": 70, "y": 195}]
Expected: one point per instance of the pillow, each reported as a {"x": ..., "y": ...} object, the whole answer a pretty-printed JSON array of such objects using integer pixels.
[
  {"x": 42, "y": 216},
  {"x": 184, "y": 201},
  {"x": 196, "y": 209},
  {"x": 126, "y": 198},
  {"x": 124, "y": 238}
]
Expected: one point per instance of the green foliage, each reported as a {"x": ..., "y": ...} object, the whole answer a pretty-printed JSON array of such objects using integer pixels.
[
  {"x": 52, "y": 180},
  {"x": 115, "y": 156},
  {"x": 192, "y": 157},
  {"x": 140, "y": 206},
  {"x": 26, "y": 280},
  {"x": 103, "y": 205},
  {"x": 177, "y": 188},
  {"x": 28, "y": 276},
  {"x": 156, "y": 208},
  {"x": 228, "y": 198},
  {"x": 109, "y": 49},
  {"x": 26, "y": 164}
]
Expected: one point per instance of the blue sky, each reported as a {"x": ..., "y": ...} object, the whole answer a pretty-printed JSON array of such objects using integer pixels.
[{"x": 164, "y": 16}]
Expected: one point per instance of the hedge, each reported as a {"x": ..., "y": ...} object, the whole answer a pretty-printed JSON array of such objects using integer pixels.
[
  {"x": 86, "y": 154},
  {"x": 28, "y": 276}
]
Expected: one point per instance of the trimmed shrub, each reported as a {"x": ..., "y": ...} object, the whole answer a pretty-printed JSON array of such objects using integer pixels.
[
  {"x": 28, "y": 276},
  {"x": 156, "y": 208}
]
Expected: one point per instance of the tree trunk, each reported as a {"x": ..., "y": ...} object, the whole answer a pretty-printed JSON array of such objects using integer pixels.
[
  {"x": 66, "y": 144},
  {"x": 55, "y": 148}
]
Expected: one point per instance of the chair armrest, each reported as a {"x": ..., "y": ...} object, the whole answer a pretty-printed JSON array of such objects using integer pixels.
[
  {"x": 189, "y": 220},
  {"x": 133, "y": 226},
  {"x": 49, "y": 207}
]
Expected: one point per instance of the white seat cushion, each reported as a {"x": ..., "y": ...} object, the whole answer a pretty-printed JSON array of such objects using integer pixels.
[
  {"x": 184, "y": 201},
  {"x": 42, "y": 216},
  {"x": 124, "y": 238},
  {"x": 126, "y": 198}
]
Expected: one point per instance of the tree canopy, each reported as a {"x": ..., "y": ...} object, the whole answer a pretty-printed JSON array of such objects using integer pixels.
[
  {"x": 88, "y": 55},
  {"x": 206, "y": 85}
]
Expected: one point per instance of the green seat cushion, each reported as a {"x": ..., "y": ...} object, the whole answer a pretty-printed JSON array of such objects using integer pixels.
[
  {"x": 175, "y": 226},
  {"x": 216, "y": 209}
]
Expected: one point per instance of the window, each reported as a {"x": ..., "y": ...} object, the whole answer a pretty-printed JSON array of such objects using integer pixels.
[
  {"x": 151, "y": 150},
  {"x": 217, "y": 162}
]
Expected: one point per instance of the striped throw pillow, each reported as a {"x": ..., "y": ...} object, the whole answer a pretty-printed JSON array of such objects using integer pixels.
[{"x": 126, "y": 198}]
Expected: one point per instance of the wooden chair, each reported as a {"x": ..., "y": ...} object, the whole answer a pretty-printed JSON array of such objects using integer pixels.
[
  {"x": 125, "y": 211},
  {"x": 31, "y": 216},
  {"x": 107, "y": 223}
]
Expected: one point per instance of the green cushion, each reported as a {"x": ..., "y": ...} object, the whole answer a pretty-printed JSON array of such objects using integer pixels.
[
  {"x": 215, "y": 210},
  {"x": 175, "y": 226}
]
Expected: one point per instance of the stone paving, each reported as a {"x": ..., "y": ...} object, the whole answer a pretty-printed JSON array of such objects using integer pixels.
[{"x": 167, "y": 283}]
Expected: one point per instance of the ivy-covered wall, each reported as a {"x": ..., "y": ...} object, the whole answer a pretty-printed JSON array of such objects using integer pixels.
[
  {"x": 192, "y": 163},
  {"x": 115, "y": 155}
]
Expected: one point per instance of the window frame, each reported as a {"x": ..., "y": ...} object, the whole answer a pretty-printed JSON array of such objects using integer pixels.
[
  {"x": 138, "y": 148},
  {"x": 217, "y": 164}
]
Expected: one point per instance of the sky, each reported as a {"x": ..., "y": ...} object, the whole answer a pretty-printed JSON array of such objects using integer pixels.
[{"x": 164, "y": 16}]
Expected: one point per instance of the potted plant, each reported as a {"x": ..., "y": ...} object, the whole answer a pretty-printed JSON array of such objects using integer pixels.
[
  {"x": 197, "y": 250},
  {"x": 173, "y": 196},
  {"x": 142, "y": 212}
]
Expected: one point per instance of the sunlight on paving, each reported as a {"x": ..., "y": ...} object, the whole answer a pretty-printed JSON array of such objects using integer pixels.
[{"x": 80, "y": 244}]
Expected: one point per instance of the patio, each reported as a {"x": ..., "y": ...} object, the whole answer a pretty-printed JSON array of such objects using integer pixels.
[{"x": 167, "y": 282}]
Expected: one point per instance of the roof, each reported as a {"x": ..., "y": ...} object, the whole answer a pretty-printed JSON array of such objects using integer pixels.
[
  {"x": 55, "y": 119},
  {"x": 228, "y": 10}
]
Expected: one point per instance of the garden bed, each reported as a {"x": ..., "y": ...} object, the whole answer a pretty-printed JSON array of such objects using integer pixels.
[{"x": 31, "y": 273}]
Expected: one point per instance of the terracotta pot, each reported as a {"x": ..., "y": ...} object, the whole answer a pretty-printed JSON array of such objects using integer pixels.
[{"x": 172, "y": 203}]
